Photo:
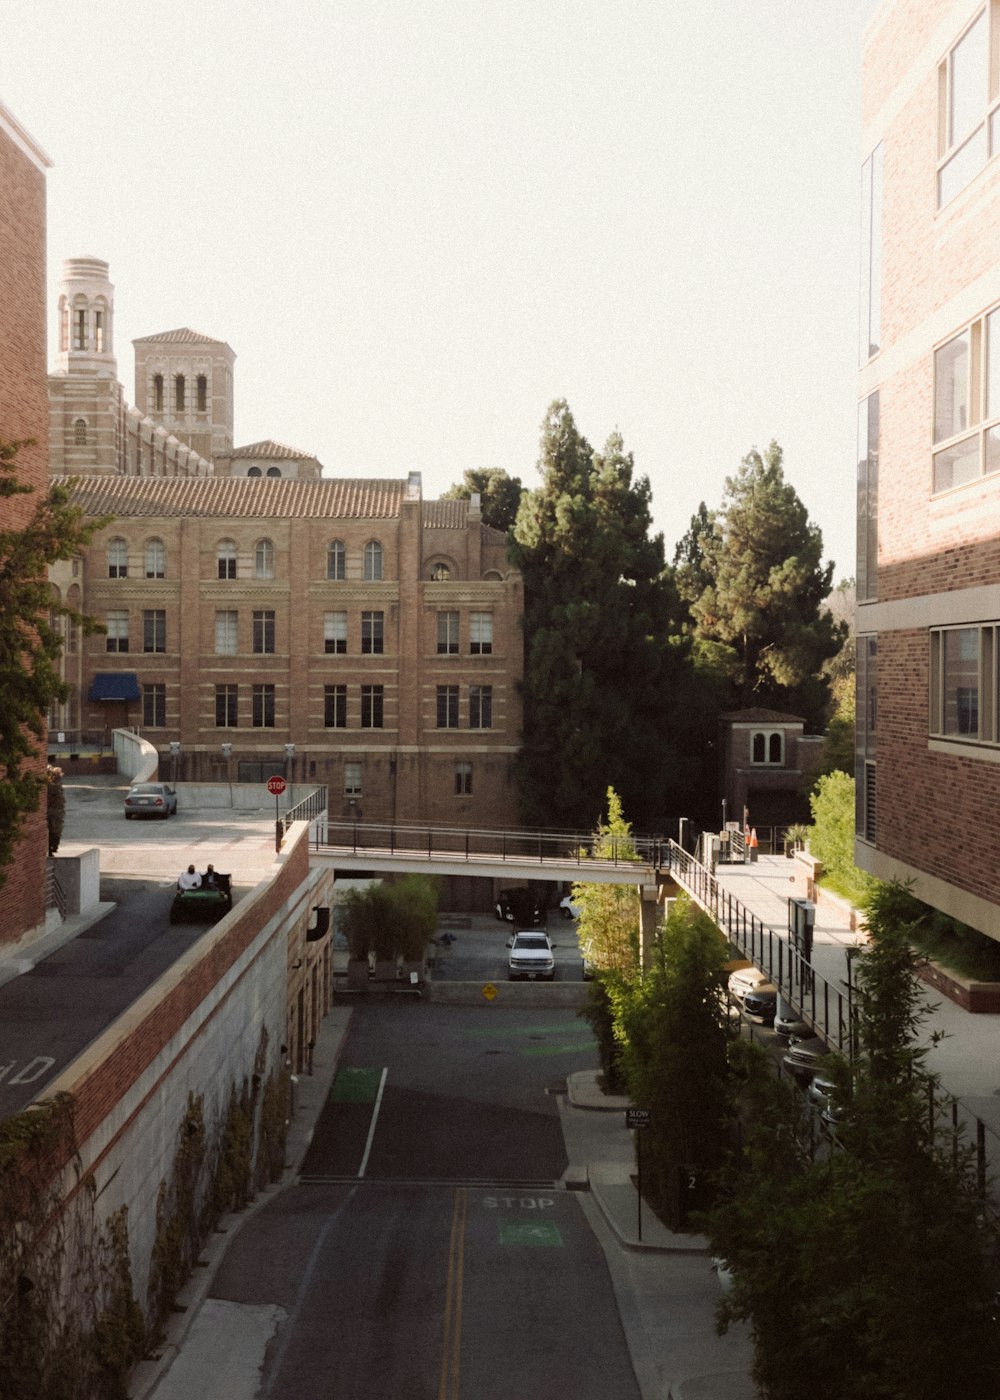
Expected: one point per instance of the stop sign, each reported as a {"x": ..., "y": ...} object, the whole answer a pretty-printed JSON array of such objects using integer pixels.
[{"x": 276, "y": 785}]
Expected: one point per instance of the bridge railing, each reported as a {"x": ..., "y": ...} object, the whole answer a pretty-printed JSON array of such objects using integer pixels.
[
  {"x": 474, "y": 844},
  {"x": 309, "y": 809}
]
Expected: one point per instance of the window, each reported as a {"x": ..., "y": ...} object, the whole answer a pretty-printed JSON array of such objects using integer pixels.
[
  {"x": 372, "y": 700},
  {"x": 80, "y": 433},
  {"x": 767, "y": 747},
  {"x": 226, "y": 556},
  {"x": 867, "y": 501},
  {"x": 263, "y": 559},
  {"x": 226, "y": 632},
  {"x": 154, "y": 705},
  {"x": 866, "y": 700},
  {"x": 201, "y": 394},
  {"x": 263, "y": 631},
  {"x": 117, "y": 631},
  {"x": 154, "y": 629},
  {"x": 352, "y": 779},
  {"x": 156, "y": 559},
  {"x": 965, "y": 92},
  {"x": 335, "y": 706},
  {"x": 373, "y": 560},
  {"x": 871, "y": 256},
  {"x": 963, "y": 670},
  {"x": 226, "y": 706},
  {"x": 335, "y": 633},
  {"x": 99, "y": 332},
  {"x": 967, "y": 404},
  {"x": 117, "y": 559},
  {"x": 274, "y": 472},
  {"x": 157, "y": 393},
  {"x": 254, "y": 471},
  {"x": 179, "y": 393},
  {"x": 447, "y": 634},
  {"x": 263, "y": 707},
  {"x": 80, "y": 329},
  {"x": 447, "y": 707},
  {"x": 372, "y": 639},
  {"x": 463, "y": 779},
  {"x": 440, "y": 573},
  {"x": 480, "y": 633},
  {"x": 336, "y": 560},
  {"x": 480, "y": 707}
]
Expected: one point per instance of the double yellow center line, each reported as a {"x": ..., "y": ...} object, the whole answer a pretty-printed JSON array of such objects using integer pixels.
[{"x": 451, "y": 1350}]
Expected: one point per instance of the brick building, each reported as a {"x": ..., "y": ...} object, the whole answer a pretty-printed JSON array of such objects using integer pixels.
[
  {"x": 264, "y": 618},
  {"x": 23, "y": 412},
  {"x": 928, "y": 574}
]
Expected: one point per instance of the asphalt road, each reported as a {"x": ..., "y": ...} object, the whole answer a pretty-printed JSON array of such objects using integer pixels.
[{"x": 429, "y": 1250}]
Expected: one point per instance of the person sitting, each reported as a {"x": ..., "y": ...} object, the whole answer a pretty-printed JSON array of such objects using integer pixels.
[
  {"x": 210, "y": 881},
  {"x": 189, "y": 879}
]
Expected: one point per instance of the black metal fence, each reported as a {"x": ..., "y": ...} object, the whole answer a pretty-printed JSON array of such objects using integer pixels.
[{"x": 471, "y": 844}]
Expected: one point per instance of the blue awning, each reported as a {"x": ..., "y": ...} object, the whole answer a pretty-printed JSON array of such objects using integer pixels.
[{"x": 114, "y": 685}]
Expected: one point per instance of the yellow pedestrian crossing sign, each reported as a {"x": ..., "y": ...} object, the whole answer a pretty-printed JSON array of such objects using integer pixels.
[{"x": 489, "y": 991}]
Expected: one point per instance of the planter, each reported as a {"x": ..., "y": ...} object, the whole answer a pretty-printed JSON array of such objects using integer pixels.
[
  {"x": 979, "y": 998},
  {"x": 357, "y": 974},
  {"x": 385, "y": 969}
]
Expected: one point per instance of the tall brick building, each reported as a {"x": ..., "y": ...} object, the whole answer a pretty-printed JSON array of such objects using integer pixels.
[
  {"x": 23, "y": 414},
  {"x": 264, "y": 618},
  {"x": 928, "y": 738}
]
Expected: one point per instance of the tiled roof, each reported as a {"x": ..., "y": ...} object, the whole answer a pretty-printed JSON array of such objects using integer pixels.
[
  {"x": 446, "y": 515},
  {"x": 140, "y": 496},
  {"x": 761, "y": 716},
  {"x": 182, "y": 335},
  {"x": 489, "y": 535},
  {"x": 269, "y": 448}
]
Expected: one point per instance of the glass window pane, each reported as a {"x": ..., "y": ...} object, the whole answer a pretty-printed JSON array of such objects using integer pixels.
[
  {"x": 969, "y": 88},
  {"x": 992, "y": 450},
  {"x": 951, "y": 388},
  {"x": 964, "y": 164},
  {"x": 961, "y": 681},
  {"x": 992, "y": 405},
  {"x": 957, "y": 465}
]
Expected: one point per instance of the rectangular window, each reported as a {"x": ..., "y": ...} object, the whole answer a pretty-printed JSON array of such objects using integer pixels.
[
  {"x": 871, "y": 256},
  {"x": 866, "y": 715},
  {"x": 226, "y": 708},
  {"x": 154, "y": 705},
  {"x": 335, "y": 706},
  {"x": 447, "y": 633},
  {"x": 966, "y": 90},
  {"x": 867, "y": 501},
  {"x": 117, "y": 631},
  {"x": 480, "y": 633},
  {"x": 335, "y": 633},
  {"x": 154, "y": 629},
  {"x": 263, "y": 707},
  {"x": 480, "y": 707},
  {"x": 352, "y": 779},
  {"x": 80, "y": 330},
  {"x": 463, "y": 779},
  {"x": 226, "y": 632},
  {"x": 372, "y": 633},
  {"x": 963, "y": 677},
  {"x": 447, "y": 707},
  {"x": 967, "y": 404},
  {"x": 372, "y": 700},
  {"x": 263, "y": 631}
]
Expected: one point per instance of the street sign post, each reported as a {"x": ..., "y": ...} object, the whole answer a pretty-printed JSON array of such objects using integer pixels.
[
  {"x": 637, "y": 1119},
  {"x": 276, "y": 786}
]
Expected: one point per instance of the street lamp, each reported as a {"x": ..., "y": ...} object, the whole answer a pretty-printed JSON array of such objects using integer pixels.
[
  {"x": 227, "y": 754},
  {"x": 175, "y": 753}
]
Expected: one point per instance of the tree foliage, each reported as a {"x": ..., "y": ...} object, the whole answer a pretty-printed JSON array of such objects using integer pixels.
[
  {"x": 608, "y": 921},
  {"x": 608, "y": 680},
  {"x": 831, "y": 837},
  {"x": 499, "y": 494},
  {"x": 765, "y": 599},
  {"x": 30, "y": 640},
  {"x": 391, "y": 919}
]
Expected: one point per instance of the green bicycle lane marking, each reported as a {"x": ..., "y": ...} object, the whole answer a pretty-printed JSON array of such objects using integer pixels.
[{"x": 355, "y": 1085}]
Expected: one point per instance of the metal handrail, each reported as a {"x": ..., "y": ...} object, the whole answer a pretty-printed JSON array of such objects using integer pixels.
[{"x": 468, "y": 843}]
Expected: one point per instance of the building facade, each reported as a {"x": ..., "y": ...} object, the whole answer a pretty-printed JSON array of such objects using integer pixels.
[
  {"x": 928, "y": 569},
  {"x": 261, "y": 618},
  {"x": 23, "y": 412}
]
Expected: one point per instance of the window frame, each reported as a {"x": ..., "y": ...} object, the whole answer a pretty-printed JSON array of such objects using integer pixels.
[
  {"x": 447, "y": 707},
  {"x": 155, "y": 558},
  {"x": 336, "y": 561},
  {"x": 263, "y": 559},
  {"x": 980, "y": 135},
  {"x": 985, "y": 733},
  {"x": 373, "y": 562},
  {"x": 335, "y": 706},
  {"x": 227, "y": 705},
  {"x": 262, "y": 705},
  {"x": 335, "y": 634},
  {"x": 263, "y": 632},
  {"x": 373, "y": 633},
  {"x": 448, "y": 625},
  {"x": 480, "y": 707},
  {"x": 481, "y": 623},
  {"x": 772, "y": 741},
  {"x": 226, "y": 555},
  {"x": 979, "y": 418},
  {"x": 154, "y": 630},
  {"x": 227, "y": 632},
  {"x": 373, "y": 706},
  {"x": 463, "y": 778},
  {"x": 352, "y": 778},
  {"x": 154, "y": 701},
  {"x": 116, "y": 638},
  {"x": 118, "y": 557}
]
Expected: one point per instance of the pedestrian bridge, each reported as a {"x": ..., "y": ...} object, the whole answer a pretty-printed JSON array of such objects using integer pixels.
[{"x": 559, "y": 856}]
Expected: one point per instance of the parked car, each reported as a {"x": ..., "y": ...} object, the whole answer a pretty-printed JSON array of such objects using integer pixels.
[
  {"x": 804, "y": 1058},
  {"x": 150, "y": 800},
  {"x": 520, "y": 906},
  {"x": 531, "y": 956},
  {"x": 206, "y": 904},
  {"x": 821, "y": 1091},
  {"x": 761, "y": 1004},
  {"x": 567, "y": 908},
  {"x": 789, "y": 1022},
  {"x": 746, "y": 979}
]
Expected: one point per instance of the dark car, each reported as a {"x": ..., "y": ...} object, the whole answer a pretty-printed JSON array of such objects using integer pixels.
[
  {"x": 206, "y": 904},
  {"x": 150, "y": 800},
  {"x": 520, "y": 906},
  {"x": 804, "y": 1058},
  {"x": 761, "y": 1004}
]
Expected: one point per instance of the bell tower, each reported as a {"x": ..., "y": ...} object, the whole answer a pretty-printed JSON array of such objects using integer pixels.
[
  {"x": 85, "y": 396},
  {"x": 86, "y": 319}
]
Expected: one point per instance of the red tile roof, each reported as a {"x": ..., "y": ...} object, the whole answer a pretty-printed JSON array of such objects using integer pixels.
[
  {"x": 239, "y": 497},
  {"x": 182, "y": 335},
  {"x": 267, "y": 447}
]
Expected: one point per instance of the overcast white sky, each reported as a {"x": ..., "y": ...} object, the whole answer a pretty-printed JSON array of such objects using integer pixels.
[{"x": 417, "y": 222}]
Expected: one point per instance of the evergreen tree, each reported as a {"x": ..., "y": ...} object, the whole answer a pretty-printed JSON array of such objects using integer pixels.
[
  {"x": 766, "y": 602},
  {"x": 499, "y": 494}
]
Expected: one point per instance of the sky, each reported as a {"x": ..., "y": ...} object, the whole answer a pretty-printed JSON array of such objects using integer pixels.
[{"x": 419, "y": 222}]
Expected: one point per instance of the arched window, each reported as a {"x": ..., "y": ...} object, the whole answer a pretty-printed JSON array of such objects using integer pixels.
[
  {"x": 440, "y": 573},
  {"x": 263, "y": 559},
  {"x": 274, "y": 471},
  {"x": 63, "y": 324},
  {"x": 80, "y": 328},
  {"x": 373, "y": 560},
  {"x": 336, "y": 560},
  {"x": 226, "y": 555},
  {"x": 179, "y": 393},
  {"x": 253, "y": 471},
  {"x": 201, "y": 394},
  {"x": 157, "y": 393},
  {"x": 493, "y": 576},
  {"x": 156, "y": 559},
  {"x": 117, "y": 558},
  {"x": 80, "y": 432},
  {"x": 767, "y": 746},
  {"x": 774, "y": 749}
]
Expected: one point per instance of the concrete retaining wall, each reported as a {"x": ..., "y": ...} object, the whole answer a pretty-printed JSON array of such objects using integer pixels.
[
  {"x": 528, "y": 994},
  {"x": 137, "y": 759}
]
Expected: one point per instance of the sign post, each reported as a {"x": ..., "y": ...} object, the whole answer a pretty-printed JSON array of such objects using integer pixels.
[
  {"x": 638, "y": 1118},
  {"x": 276, "y": 786}
]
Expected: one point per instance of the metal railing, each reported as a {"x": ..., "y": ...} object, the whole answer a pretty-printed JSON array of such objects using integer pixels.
[
  {"x": 471, "y": 844},
  {"x": 55, "y": 897},
  {"x": 310, "y": 809}
]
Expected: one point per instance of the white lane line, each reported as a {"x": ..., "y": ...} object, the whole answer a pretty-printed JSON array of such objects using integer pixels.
[{"x": 371, "y": 1130}]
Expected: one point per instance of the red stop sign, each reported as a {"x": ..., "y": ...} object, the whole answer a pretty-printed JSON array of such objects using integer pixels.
[{"x": 276, "y": 785}]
